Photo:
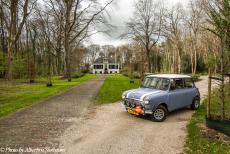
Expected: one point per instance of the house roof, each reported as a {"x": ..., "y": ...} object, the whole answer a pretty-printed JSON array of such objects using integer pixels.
[
  {"x": 171, "y": 76},
  {"x": 100, "y": 60}
]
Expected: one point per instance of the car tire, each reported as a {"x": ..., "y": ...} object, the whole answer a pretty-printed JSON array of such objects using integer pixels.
[
  {"x": 159, "y": 114},
  {"x": 195, "y": 104}
]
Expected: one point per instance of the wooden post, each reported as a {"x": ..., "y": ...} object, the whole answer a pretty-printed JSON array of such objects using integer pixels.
[
  {"x": 222, "y": 80},
  {"x": 209, "y": 92},
  {"x": 229, "y": 85}
]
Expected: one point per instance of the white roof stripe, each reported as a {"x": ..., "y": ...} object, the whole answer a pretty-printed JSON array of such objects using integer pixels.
[{"x": 171, "y": 76}]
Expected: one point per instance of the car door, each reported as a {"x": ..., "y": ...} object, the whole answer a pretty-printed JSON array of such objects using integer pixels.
[
  {"x": 190, "y": 90},
  {"x": 177, "y": 95}
]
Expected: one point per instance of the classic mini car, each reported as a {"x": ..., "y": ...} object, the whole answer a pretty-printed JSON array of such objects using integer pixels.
[{"x": 161, "y": 94}]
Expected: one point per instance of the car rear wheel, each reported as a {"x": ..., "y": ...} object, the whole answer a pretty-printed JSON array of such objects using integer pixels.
[
  {"x": 159, "y": 114},
  {"x": 195, "y": 104}
]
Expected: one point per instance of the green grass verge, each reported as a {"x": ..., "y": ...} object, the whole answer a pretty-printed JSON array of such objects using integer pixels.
[
  {"x": 113, "y": 88},
  {"x": 19, "y": 94},
  {"x": 197, "y": 143}
]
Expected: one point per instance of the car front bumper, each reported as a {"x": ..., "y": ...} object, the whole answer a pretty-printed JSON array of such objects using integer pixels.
[{"x": 143, "y": 111}]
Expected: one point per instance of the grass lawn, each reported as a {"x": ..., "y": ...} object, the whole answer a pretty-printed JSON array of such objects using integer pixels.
[
  {"x": 113, "y": 88},
  {"x": 199, "y": 144},
  {"x": 19, "y": 94}
]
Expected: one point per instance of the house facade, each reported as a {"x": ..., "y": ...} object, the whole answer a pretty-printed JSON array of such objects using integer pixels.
[{"x": 105, "y": 66}]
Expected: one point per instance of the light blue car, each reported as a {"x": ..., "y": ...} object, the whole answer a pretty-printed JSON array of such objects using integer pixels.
[{"x": 161, "y": 94}]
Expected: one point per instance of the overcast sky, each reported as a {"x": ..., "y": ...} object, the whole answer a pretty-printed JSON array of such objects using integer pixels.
[{"x": 120, "y": 13}]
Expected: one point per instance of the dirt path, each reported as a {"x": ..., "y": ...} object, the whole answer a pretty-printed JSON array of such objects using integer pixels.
[
  {"x": 42, "y": 124},
  {"x": 109, "y": 129}
]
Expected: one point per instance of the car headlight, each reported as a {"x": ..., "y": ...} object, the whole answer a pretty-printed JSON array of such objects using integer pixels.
[
  {"x": 146, "y": 100},
  {"x": 123, "y": 95}
]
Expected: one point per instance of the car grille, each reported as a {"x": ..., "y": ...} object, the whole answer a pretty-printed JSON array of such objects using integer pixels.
[{"x": 132, "y": 103}]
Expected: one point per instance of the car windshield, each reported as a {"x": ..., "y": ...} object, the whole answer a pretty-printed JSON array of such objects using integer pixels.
[{"x": 156, "y": 83}]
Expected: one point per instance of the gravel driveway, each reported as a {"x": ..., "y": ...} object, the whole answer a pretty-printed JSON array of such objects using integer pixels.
[
  {"x": 109, "y": 129},
  {"x": 42, "y": 124}
]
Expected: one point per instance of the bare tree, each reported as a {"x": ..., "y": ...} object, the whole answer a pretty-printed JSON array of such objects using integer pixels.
[
  {"x": 93, "y": 51},
  {"x": 56, "y": 9},
  {"x": 173, "y": 31},
  {"x": 12, "y": 12},
  {"x": 77, "y": 22},
  {"x": 46, "y": 26},
  {"x": 195, "y": 21},
  {"x": 145, "y": 26}
]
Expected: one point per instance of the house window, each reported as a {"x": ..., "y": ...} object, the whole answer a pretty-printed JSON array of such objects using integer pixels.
[
  {"x": 113, "y": 66},
  {"x": 98, "y": 66}
]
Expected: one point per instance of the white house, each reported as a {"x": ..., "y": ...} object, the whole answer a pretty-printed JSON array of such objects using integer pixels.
[{"x": 105, "y": 66}]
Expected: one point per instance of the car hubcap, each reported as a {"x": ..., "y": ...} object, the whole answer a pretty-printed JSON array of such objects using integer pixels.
[
  {"x": 159, "y": 114},
  {"x": 196, "y": 104}
]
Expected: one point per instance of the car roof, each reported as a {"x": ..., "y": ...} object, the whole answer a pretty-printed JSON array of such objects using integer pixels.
[{"x": 170, "y": 76}]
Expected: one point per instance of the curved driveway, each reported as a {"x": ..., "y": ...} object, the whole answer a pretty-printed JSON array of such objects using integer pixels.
[{"x": 109, "y": 129}]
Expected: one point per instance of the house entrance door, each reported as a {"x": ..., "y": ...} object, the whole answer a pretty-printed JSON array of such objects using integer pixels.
[{"x": 106, "y": 69}]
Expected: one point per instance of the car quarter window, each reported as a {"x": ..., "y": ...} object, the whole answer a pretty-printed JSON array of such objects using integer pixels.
[{"x": 188, "y": 83}]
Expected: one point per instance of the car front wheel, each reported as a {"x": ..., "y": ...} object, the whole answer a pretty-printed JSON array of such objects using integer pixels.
[
  {"x": 159, "y": 114},
  {"x": 195, "y": 104}
]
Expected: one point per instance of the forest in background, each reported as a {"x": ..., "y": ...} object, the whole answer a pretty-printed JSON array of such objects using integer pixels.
[{"x": 46, "y": 38}]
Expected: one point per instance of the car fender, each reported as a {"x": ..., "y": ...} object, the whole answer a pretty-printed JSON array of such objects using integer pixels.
[{"x": 156, "y": 101}]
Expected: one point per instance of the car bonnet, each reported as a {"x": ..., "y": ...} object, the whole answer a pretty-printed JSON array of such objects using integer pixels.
[{"x": 140, "y": 93}]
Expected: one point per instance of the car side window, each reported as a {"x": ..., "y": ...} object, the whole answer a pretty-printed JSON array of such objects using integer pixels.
[
  {"x": 177, "y": 84},
  {"x": 188, "y": 83}
]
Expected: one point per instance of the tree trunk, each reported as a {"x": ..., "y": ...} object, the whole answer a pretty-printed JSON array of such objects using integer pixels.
[
  {"x": 67, "y": 59},
  {"x": 149, "y": 61},
  {"x": 179, "y": 62},
  {"x": 195, "y": 62},
  {"x": 9, "y": 69},
  {"x": 49, "y": 75},
  {"x": 192, "y": 63},
  {"x": 67, "y": 41},
  {"x": 11, "y": 40},
  {"x": 59, "y": 61},
  {"x": 130, "y": 69},
  {"x": 209, "y": 92},
  {"x": 142, "y": 72}
]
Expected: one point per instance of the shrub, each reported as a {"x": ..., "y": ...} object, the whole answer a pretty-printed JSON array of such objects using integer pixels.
[
  {"x": 125, "y": 72},
  {"x": 136, "y": 75},
  {"x": 196, "y": 77},
  {"x": 2, "y": 64},
  {"x": 185, "y": 63},
  {"x": 78, "y": 75},
  {"x": 85, "y": 71},
  {"x": 20, "y": 68}
]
